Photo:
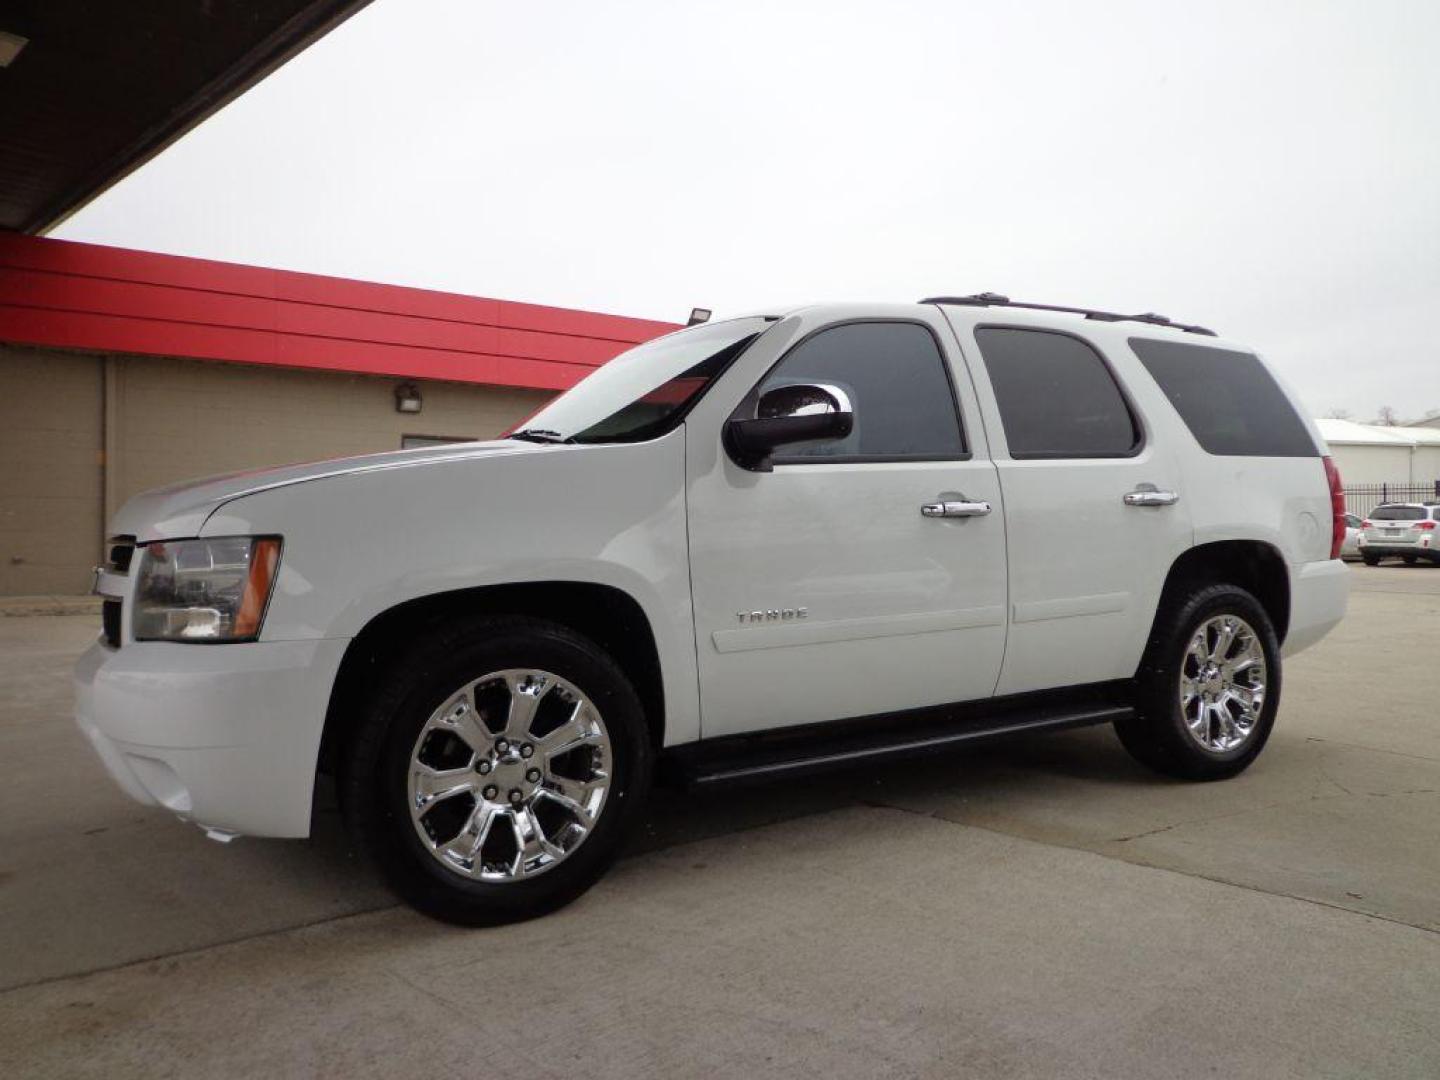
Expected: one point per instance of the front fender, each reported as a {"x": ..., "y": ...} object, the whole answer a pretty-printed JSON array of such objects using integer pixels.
[{"x": 357, "y": 545}]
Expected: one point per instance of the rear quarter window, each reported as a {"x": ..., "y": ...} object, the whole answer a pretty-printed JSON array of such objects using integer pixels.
[{"x": 1227, "y": 399}]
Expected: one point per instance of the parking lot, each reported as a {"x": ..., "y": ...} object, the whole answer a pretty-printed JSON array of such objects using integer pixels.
[{"x": 1036, "y": 909}]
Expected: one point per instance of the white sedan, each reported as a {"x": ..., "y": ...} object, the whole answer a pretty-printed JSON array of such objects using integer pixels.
[{"x": 1350, "y": 549}]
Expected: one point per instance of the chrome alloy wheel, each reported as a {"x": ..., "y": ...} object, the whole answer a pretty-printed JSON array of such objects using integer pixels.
[
  {"x": 1222, "y": 683},
  {"x": 509, "y": 776}
]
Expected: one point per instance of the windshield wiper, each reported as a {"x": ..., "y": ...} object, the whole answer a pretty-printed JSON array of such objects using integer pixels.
[{"x": 540, "y": 435}]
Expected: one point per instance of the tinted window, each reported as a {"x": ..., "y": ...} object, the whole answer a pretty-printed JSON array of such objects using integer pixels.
[
  {"x": 1397, "y": 513},
  {"x": 1351, "y": 521},
  {"x": 1227, "y": 399},
  {"x": 898, "y": 386},
  {"x": 1436, "y": 512},
  {"x": 1056, "y": 396}
]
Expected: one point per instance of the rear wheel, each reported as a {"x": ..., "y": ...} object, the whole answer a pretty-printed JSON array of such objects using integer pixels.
[
  {"x": 497, "y": 770},
  {"x": 1370, "y": 560},
  {"x": 1208, "y": 688},
  {"x": 1408, "y": 560}
]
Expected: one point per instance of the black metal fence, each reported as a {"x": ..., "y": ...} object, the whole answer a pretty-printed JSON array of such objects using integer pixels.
[{"x": 1362, "y": 498}]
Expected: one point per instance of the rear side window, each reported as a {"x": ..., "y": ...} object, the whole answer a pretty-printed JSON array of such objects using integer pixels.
[
  {"x": 1437, "y": 513},
  {"x": 897, "y": 383},
  {"x": 1352, "y": 521},
  {"x": 1227, "y": 399},
  {"x": 1397, "y": 513},
  {"x": 1056, "y": 396}
]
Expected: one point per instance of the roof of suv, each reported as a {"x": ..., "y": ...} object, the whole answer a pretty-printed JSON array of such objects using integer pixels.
[{"x": 989, "y": 307}]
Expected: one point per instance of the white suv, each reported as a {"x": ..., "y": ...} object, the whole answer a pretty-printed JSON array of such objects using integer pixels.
[
  {"x": 1404, "y": 531},
  {"x": 756, "y": 547}
]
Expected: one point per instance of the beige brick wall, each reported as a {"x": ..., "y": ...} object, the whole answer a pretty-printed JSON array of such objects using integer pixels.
[
  {"x": 176, "y": 419},
  {"x": 184, "y": 418},
  {"x": 51, "y": 482}
]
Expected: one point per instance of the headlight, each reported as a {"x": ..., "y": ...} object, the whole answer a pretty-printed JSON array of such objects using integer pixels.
[{"x": 205, "y": 590}]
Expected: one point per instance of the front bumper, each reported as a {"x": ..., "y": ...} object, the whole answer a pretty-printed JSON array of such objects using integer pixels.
[{"x": 227, "y": 736}]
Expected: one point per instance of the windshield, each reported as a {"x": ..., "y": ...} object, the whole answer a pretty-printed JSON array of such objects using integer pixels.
[
  {"x": 1397, "y": 513},
  {"x": 643, "y": 392}
]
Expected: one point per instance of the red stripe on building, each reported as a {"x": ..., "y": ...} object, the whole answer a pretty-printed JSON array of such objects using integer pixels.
[{"x": 84, "y": 296}]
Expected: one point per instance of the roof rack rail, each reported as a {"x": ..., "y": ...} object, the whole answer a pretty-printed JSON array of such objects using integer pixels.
[{"x": 990, "y": 299}]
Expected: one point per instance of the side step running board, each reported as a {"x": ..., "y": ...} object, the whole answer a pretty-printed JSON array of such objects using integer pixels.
[{"x": 822, "y": 747}]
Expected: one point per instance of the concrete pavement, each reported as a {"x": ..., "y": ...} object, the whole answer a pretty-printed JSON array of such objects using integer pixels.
[{"x": 1037, "y": 909}]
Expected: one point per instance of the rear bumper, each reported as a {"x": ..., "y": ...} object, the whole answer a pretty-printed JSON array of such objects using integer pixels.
[
  {"x": 1319, "y": 594},
  {"x": 1394, "y": 551},
  {"x": 227, "y": 736}
]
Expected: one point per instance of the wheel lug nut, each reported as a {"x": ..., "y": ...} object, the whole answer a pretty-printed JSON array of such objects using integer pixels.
[
  {"x": 483, "y": 768},
  {"x": 515, "y": 795},
  {"x": 501, "y": 746},
  {"x": 490, "y": 791},
  {"x": 526, "y": 750},
  {"x": 533, "y": 776}
]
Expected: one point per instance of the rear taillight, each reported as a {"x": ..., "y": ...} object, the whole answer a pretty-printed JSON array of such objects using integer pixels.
[
  {"x": 1366, "y": 524},
  {"x": 1337, "y": 507},
  {"x": 1426, "y": 525}
]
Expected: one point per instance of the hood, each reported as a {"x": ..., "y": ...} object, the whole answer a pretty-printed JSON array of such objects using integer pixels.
[{"x": 180, "y": 510}]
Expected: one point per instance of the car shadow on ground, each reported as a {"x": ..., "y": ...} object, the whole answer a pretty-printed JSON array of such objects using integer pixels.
[
  {"x": 676, "y": 815},
  {"x": 1018, "y": 767},
  {"x": 99, "y": 888}
]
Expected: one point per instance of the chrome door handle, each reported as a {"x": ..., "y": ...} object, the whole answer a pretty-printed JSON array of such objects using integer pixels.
[
  {"x": 1149, "y": 495},
  {"x": 955, "y": 509}
]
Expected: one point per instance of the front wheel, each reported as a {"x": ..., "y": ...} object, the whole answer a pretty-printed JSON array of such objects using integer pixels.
[
  {"x": 1208, "y": 688},
  {"x": 497, "y": 769}
]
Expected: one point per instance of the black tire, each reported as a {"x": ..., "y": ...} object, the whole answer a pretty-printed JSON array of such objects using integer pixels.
[
  {"x": 1370, "y": 560},
  {"x": 1157, "y": 735},
  {"x": 376, "y": 762},
  {"x": 1408, "y": 560}
]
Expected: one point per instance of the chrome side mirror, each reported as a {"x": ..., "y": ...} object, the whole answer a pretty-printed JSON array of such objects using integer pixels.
[{"x": 802, "y": 412}]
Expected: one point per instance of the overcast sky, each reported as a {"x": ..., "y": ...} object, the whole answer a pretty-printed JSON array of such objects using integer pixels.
[{"x": 1271, "y": 168}]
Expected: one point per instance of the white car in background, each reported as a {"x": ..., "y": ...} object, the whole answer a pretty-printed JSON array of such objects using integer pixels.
[
  {"x": 1350, "y": 546},
  {"x": 1405, "y": 531}
]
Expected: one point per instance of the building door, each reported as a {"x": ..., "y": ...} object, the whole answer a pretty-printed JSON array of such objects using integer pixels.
[{"x": 51, "y": 423}]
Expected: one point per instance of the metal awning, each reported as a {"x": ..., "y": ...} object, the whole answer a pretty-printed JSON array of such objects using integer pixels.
[{"x": 94, "y": 90}]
